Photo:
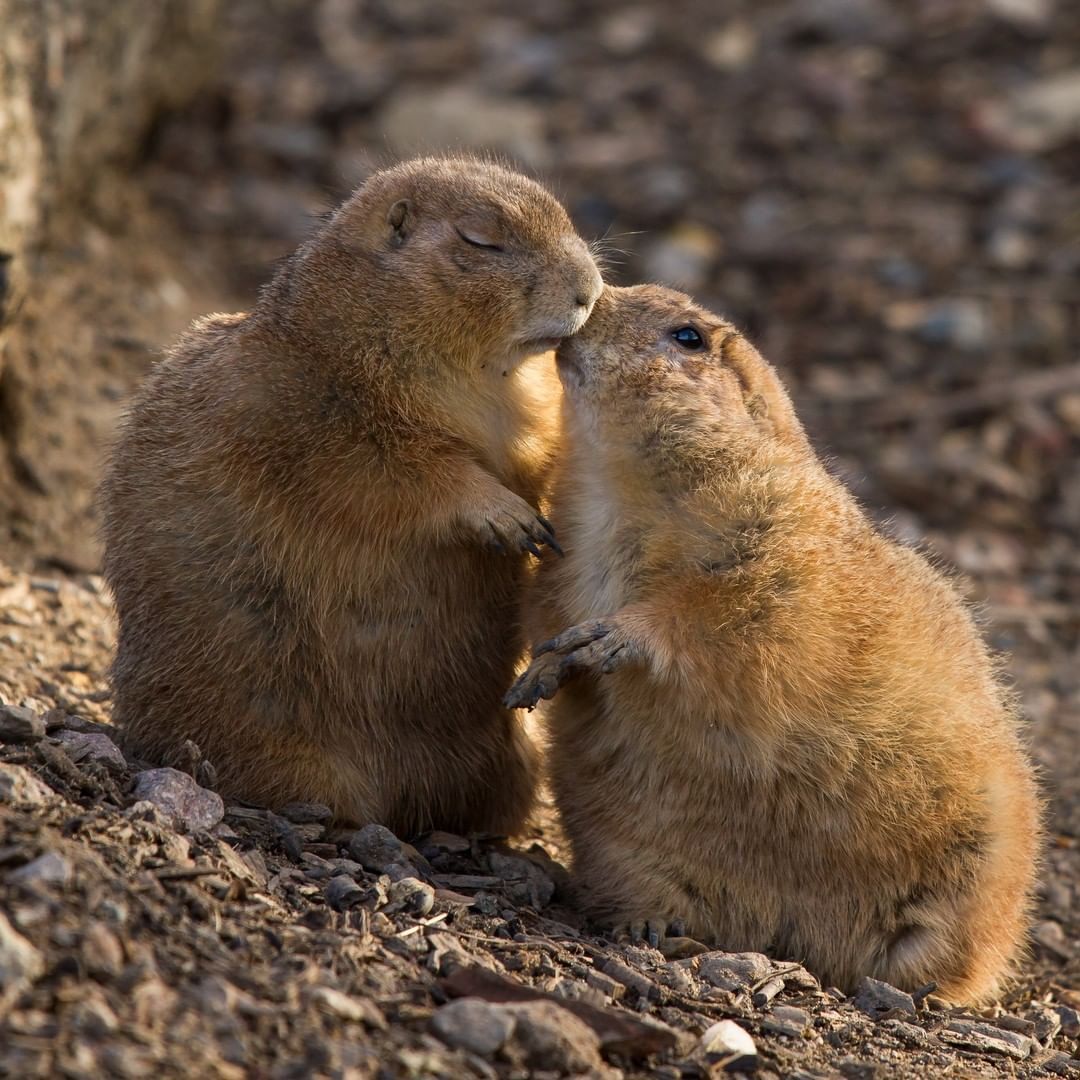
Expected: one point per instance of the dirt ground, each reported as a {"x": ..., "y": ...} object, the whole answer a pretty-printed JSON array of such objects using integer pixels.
[{"x": 884, "y": 195}]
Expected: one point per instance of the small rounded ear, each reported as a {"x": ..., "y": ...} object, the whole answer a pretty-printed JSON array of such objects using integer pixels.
[{"x": 400, "y": 220}]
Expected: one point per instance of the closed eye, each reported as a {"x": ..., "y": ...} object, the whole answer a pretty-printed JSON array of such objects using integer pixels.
[
  {"x": 477, "y": 242},
  {"x": 688, "y": 338}
]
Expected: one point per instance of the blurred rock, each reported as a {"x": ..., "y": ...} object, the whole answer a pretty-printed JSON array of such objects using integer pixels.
[
  {"x": 19, "y": 725},
  {"x": 20, "y": 785},
  {"x": 1040, "y": 116},
  {"x": 20, "y": 962},
  {"x": 547, "y": 1037},
  {"x": 731, "y": 47},
  {"x": 190, "y": 807},
  {"x": 1030, "y": 14},
  {"x": 473, "y": 1025},
  {"x": 48, "y": 869}
]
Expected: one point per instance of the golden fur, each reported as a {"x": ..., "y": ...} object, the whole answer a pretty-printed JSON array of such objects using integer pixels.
[
  {"x": 787, "y": 734},
  {"x": 317, "y": 514}
]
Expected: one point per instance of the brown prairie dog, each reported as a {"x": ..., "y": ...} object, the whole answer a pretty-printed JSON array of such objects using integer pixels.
[
  {"x": 318, "y": 514},
  {"x": 785, "y": 733}
]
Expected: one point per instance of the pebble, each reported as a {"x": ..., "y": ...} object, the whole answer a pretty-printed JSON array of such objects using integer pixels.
[
  {"x": 346, "y": 1007},
  {"x": 92, "y": 746},
  {"x": 411, "y": 896},
  {"x": 1070, "y": 1021},
  {"x": 729, "y": 1047},
  {"x": 547, "y": 1037},
  {"x": 787, "y": 1020},
  {"x": 473, "y": 1025},
  {"x": 19, "y": 725},
  {"x": 642, "y": 985},
  {"x": 376, "y": 848},
  {"x": 342, "y": 893},
  {"x": 528, "y": 885},
  {"x": 101, "y": 952},
  {"x": 607, "y": 986},
  {"x": 48, "y": 869},
  {"x": 986, "y": 1037},
  {"x": 190, "y": 807},
  {"x": 1039, "y": 116},
  {"x": 20, "y": 962},
  {"x": 876, "y": 998},
  {"x": 734, "y": 971},
  {"x": 19, "y": 785}
]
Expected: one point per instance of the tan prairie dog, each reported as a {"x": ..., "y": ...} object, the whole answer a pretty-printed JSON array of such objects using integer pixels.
[
  {"x": 785, "y": 734},
  {"x": 318, "y": 514}
]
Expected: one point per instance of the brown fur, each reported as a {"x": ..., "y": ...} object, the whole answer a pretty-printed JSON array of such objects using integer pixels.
[
  {"x": 317, "y": 513},
  {"x": 788, "y": 733}
]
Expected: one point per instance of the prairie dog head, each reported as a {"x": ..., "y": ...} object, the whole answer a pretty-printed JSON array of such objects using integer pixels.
[
  {"x": 655, "y": 371},
  {"x": 469, "y": 255}
]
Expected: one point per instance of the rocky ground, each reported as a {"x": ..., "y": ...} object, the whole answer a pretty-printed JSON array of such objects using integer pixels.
[
  {"x": 883, "y": 194},
  {"x": 149, "y": 929}
]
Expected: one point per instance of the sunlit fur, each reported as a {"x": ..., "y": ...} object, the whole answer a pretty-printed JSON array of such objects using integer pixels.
[
  {"x": 805, "y": 749},
  {"x": 297, "y": 512}
]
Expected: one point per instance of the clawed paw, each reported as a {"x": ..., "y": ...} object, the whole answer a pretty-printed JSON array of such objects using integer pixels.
[
  {"x": 597, "y": 645},
  {"x": 516, "y": 526}
]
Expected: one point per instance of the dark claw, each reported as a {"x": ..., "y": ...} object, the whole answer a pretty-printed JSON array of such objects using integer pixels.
[
  {"x": 528, "y": 545},
  {"x": 547, "y": 524},
  {"x": 495, "y": 543},
  {"x": 654, "y": 938},
  {"x": 555, "y": 546},
  {"x": 613, "y": 661},
  {"x": 678, "y": 928}
]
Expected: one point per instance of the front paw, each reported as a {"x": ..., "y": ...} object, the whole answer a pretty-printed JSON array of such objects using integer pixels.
[
  {"x": 598, "y": 645},
  {"x": 512, "y": 525}
]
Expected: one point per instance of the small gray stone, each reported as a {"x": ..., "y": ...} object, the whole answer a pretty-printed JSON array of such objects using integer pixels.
[
  {"x": 20, "y": 962},
  {"x": 548, "y": 1037},
  {"x": 527, "y": 884},
  {"x": 473, "y": 1025},
  {"x": 342, "y": 893},
  {"x": 411, "y": 896},
  {"x": 734, "y": 971},
  {"x": 348, "y": 1008},
  {"x": 607, "y": 986},
  {"x": 876, "y": 998},
  {"x": 19, "y": 785},
  {"x": 190, "y": 807},
  {"x": 787, "y": 1020},
  {"x": 1061, "y": 1064},
  {"x": 729, "y": 1047},
  {"x": 19, "y": 725},
  {"x": 1046, "y": 1021},
  {"x": 1070, "y": 1021},
  {"x": 48, "y": 869},
  {"x": 376, "y": 848},
  {"x": 642, "y": 985},
  {"x": 987, "y": 1038},
  {"x": 92, "y": 746}
]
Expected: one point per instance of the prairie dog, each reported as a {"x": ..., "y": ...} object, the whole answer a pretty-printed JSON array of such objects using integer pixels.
[
  {"x": 778, "y": 729},
  {"x": 318, "y": 514}
]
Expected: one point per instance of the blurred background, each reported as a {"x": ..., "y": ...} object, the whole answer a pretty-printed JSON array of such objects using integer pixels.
[{"x": 885, "y": 194}]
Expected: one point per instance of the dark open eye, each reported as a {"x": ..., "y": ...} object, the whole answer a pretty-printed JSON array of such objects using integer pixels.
[
  {"x": 474, "y": 241},
  {"x": 688, "y": 338}
]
